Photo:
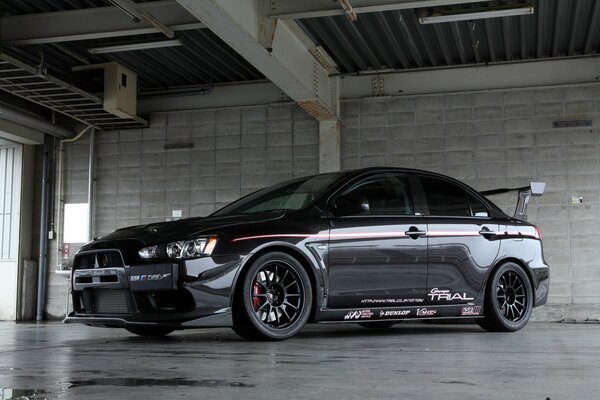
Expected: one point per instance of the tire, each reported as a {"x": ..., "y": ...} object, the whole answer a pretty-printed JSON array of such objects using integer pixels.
[
  {"x": 274, "y": 299},
  {"x": 377, "y": 325},
  {"x": 150, "y": 331},
  {"x": 508, "y": 300}
]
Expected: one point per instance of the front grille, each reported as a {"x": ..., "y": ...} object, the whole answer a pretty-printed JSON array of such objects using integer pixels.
[
  {"x": 98, "y": 259},
  {"x": 111, "y": 301}
]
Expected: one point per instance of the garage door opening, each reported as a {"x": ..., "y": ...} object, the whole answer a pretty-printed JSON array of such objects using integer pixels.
[{"x": 10, "y": 211}]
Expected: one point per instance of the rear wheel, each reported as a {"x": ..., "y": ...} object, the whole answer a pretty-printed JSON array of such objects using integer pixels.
[
  {"x": 377, "y": 325},
  {"x": 275, "y": 299},
  {"x": 508, "y": 300},
  {"x": 150, "y": 331}
]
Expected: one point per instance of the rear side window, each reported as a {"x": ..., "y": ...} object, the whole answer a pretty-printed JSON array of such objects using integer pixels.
[
  {"x": 445, "y": 198},
  {"x": 386, "y": 193},
  {"x": 477, "y": 207}
]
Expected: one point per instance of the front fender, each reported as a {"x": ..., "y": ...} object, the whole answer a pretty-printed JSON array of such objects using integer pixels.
[{"x": 302, "y": 250}]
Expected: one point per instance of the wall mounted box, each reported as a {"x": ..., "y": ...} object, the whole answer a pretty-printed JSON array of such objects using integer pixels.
[{"x": 120, "y": 90}]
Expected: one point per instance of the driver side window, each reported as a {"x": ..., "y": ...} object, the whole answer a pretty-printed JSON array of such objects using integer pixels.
[{"x": 386, "y": 193}]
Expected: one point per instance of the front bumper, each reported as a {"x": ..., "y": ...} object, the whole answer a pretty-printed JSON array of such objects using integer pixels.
[
  {"x": 189, "y": 294},
  {"x": 222, "y": 318}
]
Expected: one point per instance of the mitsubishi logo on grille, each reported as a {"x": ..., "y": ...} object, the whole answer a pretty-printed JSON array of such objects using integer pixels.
[{"x": 101, "y": 260}]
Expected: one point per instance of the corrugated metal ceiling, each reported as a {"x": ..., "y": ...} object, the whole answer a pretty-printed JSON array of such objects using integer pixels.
[
  {"x": 203, "y": 58},
  {"x": 21, "y": 7},
  {"x": 376, "y": 41},
  {"x": 396, "y": 40}
]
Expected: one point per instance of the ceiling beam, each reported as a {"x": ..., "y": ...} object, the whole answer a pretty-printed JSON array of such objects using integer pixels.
[
  {"x": 130, "y": 7},
  {"x": 93, "y": 23},
  {"x": 463, "y": 79},
  {"x": 294, "y": 9},
  {"x": 278, "y": 49},
  {"x": 14, "y": 132}
]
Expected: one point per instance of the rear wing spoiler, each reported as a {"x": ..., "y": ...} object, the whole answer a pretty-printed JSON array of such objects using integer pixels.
[{"x": 535, "y": 189}]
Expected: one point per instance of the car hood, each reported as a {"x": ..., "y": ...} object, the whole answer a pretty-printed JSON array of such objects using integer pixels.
[{"x": 185, "y": 228}]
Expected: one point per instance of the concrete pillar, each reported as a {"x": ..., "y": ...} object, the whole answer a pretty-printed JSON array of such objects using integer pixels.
[{"x": 329, "y": 146}]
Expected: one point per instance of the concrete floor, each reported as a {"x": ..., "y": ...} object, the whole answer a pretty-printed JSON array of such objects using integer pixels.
[{"x": 408, "y": 361}]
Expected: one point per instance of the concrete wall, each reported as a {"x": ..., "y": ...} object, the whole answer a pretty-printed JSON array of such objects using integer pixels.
[
  {"x": 498, "y": 139},
  {"x": 487, "y": 139},
  {"x": 235, "y": 151}
]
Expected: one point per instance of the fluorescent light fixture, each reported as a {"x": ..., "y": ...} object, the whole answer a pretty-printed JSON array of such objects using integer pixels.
[
  {"x": 572, "y": 124},
  {"x": 135, "y": 46},
  {"x": 438, "y": 17}
]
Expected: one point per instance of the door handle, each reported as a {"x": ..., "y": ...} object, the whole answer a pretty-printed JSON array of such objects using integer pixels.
[
  {"x": 414, "y": 233},
  {"x": 486, "y": 233}
]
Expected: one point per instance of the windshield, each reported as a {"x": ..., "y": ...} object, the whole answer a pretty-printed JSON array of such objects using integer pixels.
[{"x": 290, "y": 195}]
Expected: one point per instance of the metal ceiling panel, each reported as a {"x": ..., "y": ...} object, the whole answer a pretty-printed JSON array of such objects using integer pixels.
[
  {"x": 20, "y": 7},
  {"x": 203, "y": 58},
  {"x": 396, "y": 40}
]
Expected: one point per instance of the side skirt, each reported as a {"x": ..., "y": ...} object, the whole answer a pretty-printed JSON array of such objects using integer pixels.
[{"x": 396, "y": 314}]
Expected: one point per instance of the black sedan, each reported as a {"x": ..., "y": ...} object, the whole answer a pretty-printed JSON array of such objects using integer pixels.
[{"x": 372, "y": 246}]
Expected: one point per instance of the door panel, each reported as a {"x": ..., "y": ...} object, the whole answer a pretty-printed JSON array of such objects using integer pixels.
[
  {"x": 459, "y": 259},
  {"x": 462, "y": 244},
  {"x": 377, "y": 254},
  {"x": 372, "y": 262}
]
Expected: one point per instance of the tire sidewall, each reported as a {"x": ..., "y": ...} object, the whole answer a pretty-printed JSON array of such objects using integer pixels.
[
  {"x": 493, "y": 308},
  {"x": 246, "y": 293}
]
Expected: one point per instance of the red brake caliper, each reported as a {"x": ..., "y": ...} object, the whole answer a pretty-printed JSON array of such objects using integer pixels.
[{"x": 255, "y": 291}]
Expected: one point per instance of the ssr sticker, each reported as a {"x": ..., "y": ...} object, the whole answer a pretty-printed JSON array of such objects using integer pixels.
[
  {"x": 151, "y": 277},
  {"x": 426, "y": 312},
  {"x": 394, "y": 313},
  {"x": 471, "y": 310},
  {"x": 358, "y": 314},
  {"x": 445, "y": 295}
]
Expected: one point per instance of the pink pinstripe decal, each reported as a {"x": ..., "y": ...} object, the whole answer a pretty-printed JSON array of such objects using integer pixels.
[
  {"x": 366, "y": 235},
  {"x": 452, "y": 233},
  {"x": 284, "y": 235},
  {"x": 356, "y": 235}
]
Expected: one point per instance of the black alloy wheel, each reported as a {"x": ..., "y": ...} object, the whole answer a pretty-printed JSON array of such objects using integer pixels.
[
  {"x": 276, "y": 295},
  {"x": 275, "y": 299},
  {"x": 508, "y": 301},
  {"x": 511, "y": 296}
]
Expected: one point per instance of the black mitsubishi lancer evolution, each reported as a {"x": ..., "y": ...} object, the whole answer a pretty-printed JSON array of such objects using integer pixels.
[{"x": 372, "y": 246}]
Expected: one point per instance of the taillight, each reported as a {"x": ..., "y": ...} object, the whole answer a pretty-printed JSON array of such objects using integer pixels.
[{"x": 538, "y": 235}]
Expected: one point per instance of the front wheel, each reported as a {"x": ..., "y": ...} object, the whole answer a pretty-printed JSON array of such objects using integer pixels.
[
  {"x": 508, "y": 300},
  {"x": 274, "y": 300}
]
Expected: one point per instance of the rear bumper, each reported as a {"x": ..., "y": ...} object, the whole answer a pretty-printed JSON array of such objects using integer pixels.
[{"x": 542, "y": 285}]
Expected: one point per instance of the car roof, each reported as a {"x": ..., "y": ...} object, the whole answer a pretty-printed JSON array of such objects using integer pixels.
[{"x": 360, "y": 171}]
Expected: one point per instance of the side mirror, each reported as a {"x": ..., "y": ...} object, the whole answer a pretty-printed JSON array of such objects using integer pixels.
[{"x": 350, "y": 204}]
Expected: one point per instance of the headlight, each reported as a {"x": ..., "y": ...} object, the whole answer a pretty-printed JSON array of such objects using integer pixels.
[{"x": 183, "y": 249}]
